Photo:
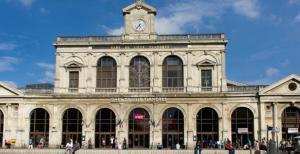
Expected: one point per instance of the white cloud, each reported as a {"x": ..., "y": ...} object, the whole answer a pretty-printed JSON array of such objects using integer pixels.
[
  {"x": 6, "y": 63},
  {"x": 44, "y": 11},
  {"x": 297, "y": 18},
  {"x": 7, "y": 46},
  {"x": 117, "y": 31},
  {"x": 271, "y": 72},
  {"x": 49, "y": 74},
  {"x": 175, "y": 17},
  {"x": 248, "y": 8},
  {"x": 10, "y": 83},
  {"x": 294, "y": 1},
  {"x": 26, "y": 3}
]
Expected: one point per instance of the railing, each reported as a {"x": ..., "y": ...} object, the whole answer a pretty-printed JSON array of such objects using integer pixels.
[
  {"x": 131, "y": 90},
  {"x": 119, "y": 38},
  {"x": 208, "y": 89},
  {"x": 139, "y": 89},
  {"x": 89, "y": 39},
  {"x": 106, "y": 90},
  {"x": 73, "y": 90},
  {"x": 173, "y": 89},
  {"x": 244, "y": 88},
  {"x": 190, "y": 37}
]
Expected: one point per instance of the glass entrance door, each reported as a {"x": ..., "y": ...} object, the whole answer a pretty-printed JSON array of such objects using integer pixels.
[{"x": 139, "y": 129}]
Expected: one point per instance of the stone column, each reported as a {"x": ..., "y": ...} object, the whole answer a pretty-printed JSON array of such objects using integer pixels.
[
  {"x": 55, "y": 128},
  {"x": 262, "y": 121},
  {"x": 256, "y": 128},
  {"x": 88, "y": 125},
  {"x": 189, "y": 73},
  {"x": 190, "y": 127},
  {"x": 157, "y": 134},
  {"x": 226, "y": 127},
  {"x": 156, "y": 84},
  {"x": 274, "y": 116},
  {"x": 122, "y": 78}
]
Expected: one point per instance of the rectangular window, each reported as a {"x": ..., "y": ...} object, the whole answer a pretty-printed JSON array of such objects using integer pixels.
[
  {"x": 74, "y": 80},
  {"x": 206, "y": 80}
]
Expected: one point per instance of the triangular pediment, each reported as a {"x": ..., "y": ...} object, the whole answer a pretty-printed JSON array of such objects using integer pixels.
[
  {"x": 6, "y": 90},
  {"x": 140, "y": 4},
  {"x": 73, "y": 64},
  {"x": 206, "y": 62},
  {"x": 287, "y": 86}
]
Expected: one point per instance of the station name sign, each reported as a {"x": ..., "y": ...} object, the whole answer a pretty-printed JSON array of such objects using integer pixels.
[
  {"x": 139, "y": 100},
  {"x": 162, "y": 46}
]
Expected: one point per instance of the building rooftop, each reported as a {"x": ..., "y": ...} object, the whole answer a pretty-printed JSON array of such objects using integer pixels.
[{"x": 120, "y": 38}]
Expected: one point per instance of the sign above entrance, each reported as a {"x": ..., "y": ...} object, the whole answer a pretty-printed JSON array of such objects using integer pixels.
[
  {"x": 139, "y": 100},
  {"x": 242, "y": 130},
  {"x": 139, "y": 117},
  {"x": 293, "y": 130}
]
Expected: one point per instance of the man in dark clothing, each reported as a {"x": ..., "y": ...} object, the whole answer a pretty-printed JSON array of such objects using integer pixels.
[{"x": 76, "y": 147}]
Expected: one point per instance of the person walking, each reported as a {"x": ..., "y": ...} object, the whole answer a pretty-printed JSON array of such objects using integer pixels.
[
  {"x": 112, "y": 141},
  {"x": 69, "y": 147},
  {"x": 30, "y": 144},
  {"x": 76, "y": 147}
]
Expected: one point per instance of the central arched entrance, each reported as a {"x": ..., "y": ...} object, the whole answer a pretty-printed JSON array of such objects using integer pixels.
[
  {"x": 39, "y": 126},
  {"x": 105, "y": 127},
  {"x": 242, "y": 126},
  {"x": 139, "y": 128},
  {"x": 72, "y": 126},
  {"x": 207, "y": 127},
  {"x": 173, "y": 128},
  {"x": 290, "y": 120},
  {"x": 1, "y": 127}
]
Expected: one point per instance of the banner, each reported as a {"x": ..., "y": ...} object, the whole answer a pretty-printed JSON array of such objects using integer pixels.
[
  {"x": 292, "y": 130},
  {"x": 242, "y": 130}
]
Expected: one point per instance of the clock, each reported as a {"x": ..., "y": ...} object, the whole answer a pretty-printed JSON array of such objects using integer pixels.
[{"x": 139, "y": 25}]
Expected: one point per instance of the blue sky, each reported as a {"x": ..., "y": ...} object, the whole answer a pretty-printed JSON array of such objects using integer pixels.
[{"x": 264, "y": 36}]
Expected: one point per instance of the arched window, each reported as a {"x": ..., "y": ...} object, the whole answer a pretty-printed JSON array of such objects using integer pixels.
[
  {"x": 290, "y": 119},
  {"x": 72, "y": 126},
  {"x": 139, "y": 74},
  {"x": 105, "y": 127},
  {"x": 106, "y": 75},
  {"x": 39, "y": 126},
  {"x": 139, "y": 128},
  {"x": 172, "y": 74},
  {"x": 1, "y": 127},
  {"x": 173, "y": 128},
  {"x": 207, "y": 126},
  {"x": 242, "y": 126}
]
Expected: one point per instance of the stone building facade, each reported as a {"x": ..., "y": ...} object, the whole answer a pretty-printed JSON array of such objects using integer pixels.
[{"x": 148, "y": 89}]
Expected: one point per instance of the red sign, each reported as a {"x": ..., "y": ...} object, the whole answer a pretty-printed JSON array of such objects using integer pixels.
[{"x": 139, "y": 117}]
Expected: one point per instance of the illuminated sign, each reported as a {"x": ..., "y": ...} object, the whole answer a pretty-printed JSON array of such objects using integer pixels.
[{"x": 139, "y": 116}]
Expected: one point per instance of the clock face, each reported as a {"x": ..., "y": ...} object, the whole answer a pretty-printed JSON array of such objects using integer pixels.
[{"x": 139, "y": 25}]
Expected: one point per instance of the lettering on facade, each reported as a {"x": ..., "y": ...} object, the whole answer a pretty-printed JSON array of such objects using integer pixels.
[
  {"x": 140, "y": 46},
  {"x": 139, "y": 100}
]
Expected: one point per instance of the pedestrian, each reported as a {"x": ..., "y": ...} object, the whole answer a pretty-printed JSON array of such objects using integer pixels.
[
  {"x": 124, "y": 144},
  {"x": 69, "y": 147},
  {"x": 76, "y": 147},
  {"x": 90, "y": 143},
  {"x": 229, "y": 147},
  {"x": 177, "y": 146},
  {"x": 30, "y": 144},
  {"x": 112, "y": 142}
]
